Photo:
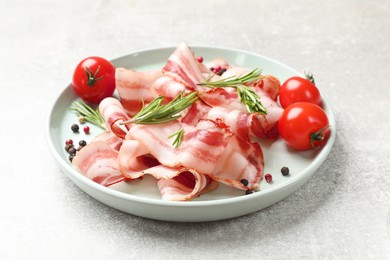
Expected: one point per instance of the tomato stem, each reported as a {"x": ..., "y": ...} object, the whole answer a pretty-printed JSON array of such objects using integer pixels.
[
  {"x": 92, "y": 77},
  {"x": 318, "y": 136},
  {"x": 310, "y": 77}
]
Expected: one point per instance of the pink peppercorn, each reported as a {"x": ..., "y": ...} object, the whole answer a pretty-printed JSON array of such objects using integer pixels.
[
  {"x": 68, "y": 141},
  {"x": 86, "y": 129},
  {"x": 268, "y": 178},
  {"x": 216, "y": 69},
  {"x": 199, "y": 59}
]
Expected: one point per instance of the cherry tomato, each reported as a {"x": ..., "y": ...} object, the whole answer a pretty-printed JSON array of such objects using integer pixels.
[
  {"x": 297, "y": 89},
  {"x": 304, "y": 126},
  {"x": 94, "y": 79}
]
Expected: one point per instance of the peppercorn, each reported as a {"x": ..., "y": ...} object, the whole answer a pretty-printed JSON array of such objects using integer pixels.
[
  {"x": 72, "y": 151},
  {"x": 268, "y": 177},
  {"x": 248, "y": 192},
  {"x": 216, "y": 69},
  {"x": 68, "y": 146},
  {"x": 71, "y": 157},
  {"x": 199, "y": 59},
  {"x": 82, "y": 143},
  {"x": 285, "y": 171},
  {"x": 221, "y": 71},
  {"x": 244, "y": 182},
  {"x": 68, "y": 141},
  {"x": 75, "y": 128},
  {"x": 86, "y": 129},
  {"x": 81, "y": 119}
]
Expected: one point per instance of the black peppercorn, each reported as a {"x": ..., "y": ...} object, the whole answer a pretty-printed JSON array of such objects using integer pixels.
[
  {"x": 248, "y": 192},
  {"x": 72, "y": 151},
  {"x": 244, "y": 182},
  {"x": 221, "y": 71},
  {"x": 68, "y": 146},
  {"x": 285, "y": 171},
  {"x": 82, "y": 143},
  {"x": 75, "y": 128}
]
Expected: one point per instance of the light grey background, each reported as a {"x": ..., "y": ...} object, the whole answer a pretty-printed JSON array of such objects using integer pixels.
[{"x": 343, "y": 212}]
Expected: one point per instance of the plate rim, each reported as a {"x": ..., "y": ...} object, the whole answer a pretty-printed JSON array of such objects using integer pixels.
[{"x": 314, "y": 164}]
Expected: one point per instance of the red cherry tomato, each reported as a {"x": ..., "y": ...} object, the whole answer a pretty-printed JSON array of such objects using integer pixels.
[
  {"x": 304, "y": 126},
  {"x": 297, "y": 89},
  {"x": 94, "y": 79}
]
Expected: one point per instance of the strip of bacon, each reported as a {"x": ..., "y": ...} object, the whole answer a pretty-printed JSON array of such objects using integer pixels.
[
  {"x": 200, "y": 149},
  {"x": 109, "y": 138},
  {"x": 134, "y": 159},
  {"x": 98, "y": 162},
  {"x": 177, "y": 183},
  {"x": 196, "y": 112},
  {"x": 134, "y": 87},
  {"x": 183, "y": 67},
  {"x": 168, "y": 87},
  {"x": 269, "y": 84},
  {"x": 113, "y": 113},
  {"x": 241, "y": 160},
  {"x": 249, "y": 126},
  {"x": 228, "y": 107},
  {"x": 187, "y": 184}
]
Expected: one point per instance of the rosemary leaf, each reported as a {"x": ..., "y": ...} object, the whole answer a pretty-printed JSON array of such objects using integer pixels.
[
  {"x": 178, "y": 138},
  {"x": 156, "y": 113},
  {"x": 246, "y": 95},
  {"x": 80, "y": 108}
]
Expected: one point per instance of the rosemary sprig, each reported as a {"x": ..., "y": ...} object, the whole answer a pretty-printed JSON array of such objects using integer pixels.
[
  {"x": 80, "y": 108},
  {"x": 232, "y": 81},
  {"x": 245, "y": 94},
  {"x": 156, "y": 113},
  {"x": 178, "y": 137},
  {"x": 250, "y": 99}
]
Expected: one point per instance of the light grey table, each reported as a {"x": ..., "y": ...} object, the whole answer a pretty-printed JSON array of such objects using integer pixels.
[{"x": 342, "y": 212}]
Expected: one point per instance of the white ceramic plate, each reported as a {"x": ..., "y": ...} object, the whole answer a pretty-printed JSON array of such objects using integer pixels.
[{"x": 142, "y": 198}]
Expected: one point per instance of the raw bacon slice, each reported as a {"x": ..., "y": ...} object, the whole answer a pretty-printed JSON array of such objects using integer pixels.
[
  {"x": 182, "y": 184},
  {"x": 200, "y": 149},
  {"x": 113, "y": 113},
  {"x": 134, "y": 87},
  {"x": 270, "y": 85},
  {"x": 197, "y": 111},
  {"x": 239, "y": 123},
  {"x": 221, "y": 97},
  {"x": 268, "y": 124},
  {"x": 241, "y": 160},
  {"x": 234, "y": 113},
  {"x": 174, "y": 183},
  {"x": 98, "y": 162},
  {"x": 183, "y": 67},
  {"x": 249, "y": 126},
  {"x": 134, "y": 159},
  {"x": 169, "y": 88},
  {"x": 109, "y": 138}
]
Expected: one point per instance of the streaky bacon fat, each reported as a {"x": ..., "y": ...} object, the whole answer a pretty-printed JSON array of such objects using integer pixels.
[
  {"x": 98, "y": 162},
  {"x": 134, "y": 88},
  {"x": 240, "y": 160},
  {"x": 109, "y": 138},
  {"x": 184, "y": 68},
  {"x": 200, "y": 149},
  {"x": 113, "y": 113}
]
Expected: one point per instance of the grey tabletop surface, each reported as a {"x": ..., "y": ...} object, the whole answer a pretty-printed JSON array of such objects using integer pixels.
[{"x": 342, "y": 212}]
